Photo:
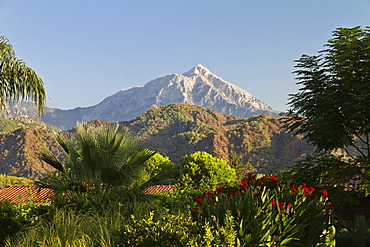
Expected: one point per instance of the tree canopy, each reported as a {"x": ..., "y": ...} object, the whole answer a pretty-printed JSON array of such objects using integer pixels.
[
  {"x": 332, "y": 111},
  {"x": 332, "y": 107},
  {"x": 17, "y": 80},
  {"x": 201, "y": 170}
]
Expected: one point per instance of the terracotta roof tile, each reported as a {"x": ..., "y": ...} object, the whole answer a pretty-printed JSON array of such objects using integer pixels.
[
  {"x": 159, "y": 189},
  {"x": 22, "y": 193}
]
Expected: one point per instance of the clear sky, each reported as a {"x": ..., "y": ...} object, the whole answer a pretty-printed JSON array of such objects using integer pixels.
[{"x": 87, "y": 50}]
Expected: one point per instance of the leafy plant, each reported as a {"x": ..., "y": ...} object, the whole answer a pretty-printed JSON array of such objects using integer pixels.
[
  {"x": 67, "y": 228},
  {"x": 201, "y": 171},
  {"x": 355, "y": 233},
  {"x": 100, "y": 161},
  {"x": 268, "y": 213},
  {"x": 11, "y": 221}
]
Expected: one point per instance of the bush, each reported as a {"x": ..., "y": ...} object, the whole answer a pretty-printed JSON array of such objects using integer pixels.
[
  {"x": 203, "y": 171},
  {"x": 11, "y": 220},
  {"x": 174, "y": 231},
  {"x": 168, "y": 230}
]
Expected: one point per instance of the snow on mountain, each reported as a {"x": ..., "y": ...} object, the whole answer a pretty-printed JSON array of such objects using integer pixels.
[{"x": 198, "y": 86}]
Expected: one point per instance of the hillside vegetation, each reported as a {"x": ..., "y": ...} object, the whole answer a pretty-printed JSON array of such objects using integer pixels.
[
  {"x": 180, "y": 129},
  {"x": 173, "y": 130},
  {"x": 21, "y": 139}
]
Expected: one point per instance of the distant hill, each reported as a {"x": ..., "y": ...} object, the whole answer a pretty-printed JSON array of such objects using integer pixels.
[
  {"x": 14, "y": 123},
  {"x": 198, "y": 86},
  {"x": 180, "y": 129},
  {"x": 21, "y": 138},
  {"x": 173, "y": 130}
]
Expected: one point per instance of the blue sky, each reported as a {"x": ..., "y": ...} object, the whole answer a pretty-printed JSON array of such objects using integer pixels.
[{"x": 87, "y": 50}]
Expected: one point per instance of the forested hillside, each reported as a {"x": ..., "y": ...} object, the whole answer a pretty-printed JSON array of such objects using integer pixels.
[
  {"x": 174, "y": 131},
  {"x": 21, "y": 138},
  {"x": 180, "y": 129}
]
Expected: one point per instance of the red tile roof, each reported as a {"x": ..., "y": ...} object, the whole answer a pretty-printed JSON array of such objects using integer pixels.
[
  {"x": 156, "y": 189},
  {"x": 22, "y": 193}
]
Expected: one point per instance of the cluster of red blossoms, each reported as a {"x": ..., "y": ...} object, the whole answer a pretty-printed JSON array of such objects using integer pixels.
[{"x": 244, "y": 185}]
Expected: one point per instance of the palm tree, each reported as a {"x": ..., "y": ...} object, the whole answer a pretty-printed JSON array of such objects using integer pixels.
[
  {"x": 101, "y": 158},
  {"x": 17, "y": 80}
]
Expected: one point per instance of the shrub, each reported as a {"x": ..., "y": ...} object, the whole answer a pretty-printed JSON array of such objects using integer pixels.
[
  {"x": 11, "y": 220},
  {"x": 175, "y": 230},
  {"x": 168, "y": 230},
  {"x": 203, "y": 171}
]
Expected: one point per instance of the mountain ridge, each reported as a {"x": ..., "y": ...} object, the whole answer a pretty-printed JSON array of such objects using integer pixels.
[
  {"x": 173, "y": 130},
  {"x": 197, "y": 86}
]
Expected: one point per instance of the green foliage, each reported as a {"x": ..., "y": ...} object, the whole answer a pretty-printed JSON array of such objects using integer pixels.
[
  {"x": 241, "y": 169},
  {"x": 100, "y": 161},
  {"x": 332, "y": 109},
  {"x": 170, "y": 230},
  {"x": 201, "y": 171},
  {"x": 11, "y": 220},
  {"x": 67, "y": 229},
  {"x": 335, "y": 95},
  {"x": 6, "y": 180},
  {"x": 268, "y": 213},
  {"x": 355, "y": 233},
  {"x": 335, "y": 174},
  {"x": 159, "y": 167},
  {"x": 8, "y": 125},
  {"x": 17, "y": 80}
]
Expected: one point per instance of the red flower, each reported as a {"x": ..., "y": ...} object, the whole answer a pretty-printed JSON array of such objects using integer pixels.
[
  {"x": 289, "y": 205},
  {"x": 220, "y": 188},
  {"x": 249, "y": 175},
  {"x": 312, "y": 189},
  {"x": 199, "y": 200},
  {"x": 208, "y": 193},
  {"x": 233, "y": 191},
  {"x": 293, "y": 187},
  {"x": 274, "y": 179},
  {"x": 195, "y": 209},
  {"x": 281, "y": 205},
  {"x": 325, "y": 193},
  {"x": 273, "y": 203},
  {"x": 244, "y": 185},
  {"x": 331, "y": 205},
  {"x": 304, "y": 185},
  {"x": 306, "y": 190}
]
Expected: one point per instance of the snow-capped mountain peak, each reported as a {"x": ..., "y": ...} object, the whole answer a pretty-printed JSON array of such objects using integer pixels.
[
  {"x": 198, "y": 70},
  {"x": 198, "y": 86}
]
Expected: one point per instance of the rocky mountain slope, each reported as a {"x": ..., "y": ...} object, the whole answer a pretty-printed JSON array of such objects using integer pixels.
[
  {"x": 198, "y": 86},
  {"x": 19, "y": 152},
  {"x": 173, "y": 130}
]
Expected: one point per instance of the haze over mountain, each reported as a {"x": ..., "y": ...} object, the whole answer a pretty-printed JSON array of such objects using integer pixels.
[{"x": 198, "y": 86}]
